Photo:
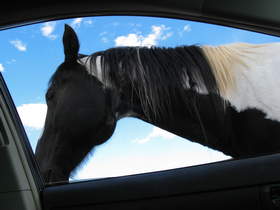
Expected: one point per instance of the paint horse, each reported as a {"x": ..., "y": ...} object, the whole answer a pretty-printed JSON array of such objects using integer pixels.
[{"x": 223, "y": 97}]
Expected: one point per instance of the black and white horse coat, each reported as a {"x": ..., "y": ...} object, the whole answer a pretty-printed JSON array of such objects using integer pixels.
[{"x": 223, "y": 97}]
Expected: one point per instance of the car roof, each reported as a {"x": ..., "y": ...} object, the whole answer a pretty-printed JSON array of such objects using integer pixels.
[{"x": 256, "y": 15}]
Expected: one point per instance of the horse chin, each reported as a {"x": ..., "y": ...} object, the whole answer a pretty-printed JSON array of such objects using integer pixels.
[{"x": 55, "y": 176}]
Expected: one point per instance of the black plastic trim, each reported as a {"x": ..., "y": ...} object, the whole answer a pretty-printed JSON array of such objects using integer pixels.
[
  {"x": 226, "y": 175},
  {"x": 22, "y": 135}
]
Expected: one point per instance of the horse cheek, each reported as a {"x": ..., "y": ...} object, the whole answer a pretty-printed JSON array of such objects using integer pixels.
[{"x": 87, "y": 121}]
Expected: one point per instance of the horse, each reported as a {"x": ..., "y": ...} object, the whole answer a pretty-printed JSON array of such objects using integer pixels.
[{"x": 223, "y": 97}]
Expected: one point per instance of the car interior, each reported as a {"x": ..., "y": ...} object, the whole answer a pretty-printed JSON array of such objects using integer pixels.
[{"x": 250, "y": 183}]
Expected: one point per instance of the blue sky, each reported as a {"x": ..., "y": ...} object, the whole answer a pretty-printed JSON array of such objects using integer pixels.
[{"x": 30, "y": 55}]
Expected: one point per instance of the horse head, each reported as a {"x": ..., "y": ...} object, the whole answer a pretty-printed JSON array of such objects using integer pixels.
[{"x": 79, "y": 115}]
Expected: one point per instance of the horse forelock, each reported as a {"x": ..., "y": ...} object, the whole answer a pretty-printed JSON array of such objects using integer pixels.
[{"x": 92, "y": 65}]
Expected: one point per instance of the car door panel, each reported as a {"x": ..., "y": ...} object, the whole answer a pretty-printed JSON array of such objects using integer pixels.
[{"x": 216, "y": 185}]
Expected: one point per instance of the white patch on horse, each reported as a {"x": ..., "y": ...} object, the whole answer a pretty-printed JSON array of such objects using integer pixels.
[{"x": 256, "y": 76}]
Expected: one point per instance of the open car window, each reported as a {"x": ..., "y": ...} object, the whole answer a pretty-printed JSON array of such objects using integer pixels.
[{"x": 34, "y": 52}]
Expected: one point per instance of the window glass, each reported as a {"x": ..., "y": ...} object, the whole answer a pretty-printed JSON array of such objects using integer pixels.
[{"x": 31, "y": 54}]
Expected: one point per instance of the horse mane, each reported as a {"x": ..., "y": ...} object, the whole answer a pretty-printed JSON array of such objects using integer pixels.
[{"x": 155, "y": 74}]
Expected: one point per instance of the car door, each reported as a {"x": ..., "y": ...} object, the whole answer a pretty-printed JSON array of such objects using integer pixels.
[
  {"x": 252, "y": 183},
  {"x": 241, "y": 184},
  {"x": 20, "y": 182}
]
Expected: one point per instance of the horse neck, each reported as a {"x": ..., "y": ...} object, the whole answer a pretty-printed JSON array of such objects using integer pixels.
[
  {"x": 173, "y": 114},
  {"x": 199, "y": 122},
  {"x": 187, "y": 121}
]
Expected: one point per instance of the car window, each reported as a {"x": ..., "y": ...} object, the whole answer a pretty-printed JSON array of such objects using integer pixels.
[{"x": 31, "y": 54}]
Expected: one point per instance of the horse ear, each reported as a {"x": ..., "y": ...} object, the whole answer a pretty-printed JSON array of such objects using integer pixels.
[{"x": 71, "y": 44}]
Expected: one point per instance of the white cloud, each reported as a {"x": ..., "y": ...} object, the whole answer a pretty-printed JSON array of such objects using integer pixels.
[
  {"x": 156, "y": 133},
  {"x": 104, "y": 39},
  {"x": 76, "y": 23},
  {"x": 137, "y": 39},
  {"x": 33, "y": 115},
  {"x": 89, "y": 22},
  {"x": 47, "y": 30},
  {"x": 19, "y": 45},
  {"x": 187, "y": 28},
  {"x": 1, "y": 67},
  {"x": 129, "y": 40},
  {"x": 166, "y": 36}
]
